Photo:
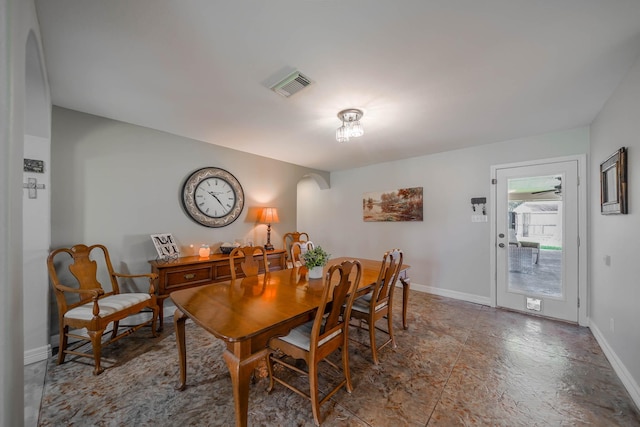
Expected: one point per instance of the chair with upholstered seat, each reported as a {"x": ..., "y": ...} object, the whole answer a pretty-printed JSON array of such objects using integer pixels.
[
  {"x": 249, "y": 264},
  {"x": 378, "y": 303},
  {"x": 297, "y": 250},
  {"x": 315, "y": 340},
  {"x": 289, "y": 239},
  {"x": 84, "y": 303}
]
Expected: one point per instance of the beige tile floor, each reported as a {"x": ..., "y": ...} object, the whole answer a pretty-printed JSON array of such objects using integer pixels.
[{"x": 457, "y": 364}]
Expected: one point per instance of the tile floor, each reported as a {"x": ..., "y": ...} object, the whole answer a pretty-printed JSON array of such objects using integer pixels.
[{"x": 457, "y": 364}]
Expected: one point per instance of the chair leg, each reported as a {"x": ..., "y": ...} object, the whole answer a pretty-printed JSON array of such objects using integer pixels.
[
  {"x": 270, "y": 370},
  {"x": 154, "y": 331},
  {"x": 390, "y": 329},
  {"x": 64, "y": 330},
  {"x": 114, "y": 333},
  {"x": 345, "y": 366},
  {"x": 313, "y": 392},
  {"x": 372, "y": 339},
  {"x": 96, "y": 343}
]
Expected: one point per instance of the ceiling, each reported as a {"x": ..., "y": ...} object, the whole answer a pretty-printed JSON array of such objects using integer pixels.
[{"x": 430, "y": 75}]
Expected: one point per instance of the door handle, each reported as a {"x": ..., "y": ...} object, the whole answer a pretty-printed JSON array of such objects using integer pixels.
[{"x": 501, "y": 245}]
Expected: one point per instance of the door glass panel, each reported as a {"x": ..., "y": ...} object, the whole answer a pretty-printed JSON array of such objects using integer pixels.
[{"x": 535, "y": 224}]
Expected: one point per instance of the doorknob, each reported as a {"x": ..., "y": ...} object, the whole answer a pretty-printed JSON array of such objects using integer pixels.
[
  {"x": 501, "y": 245},
  {"x": 501, "y": 235}
]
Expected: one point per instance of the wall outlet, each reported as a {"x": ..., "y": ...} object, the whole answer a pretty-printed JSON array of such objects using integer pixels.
[
  {"x": 607, "y": 260},
  {"x": 612, "y": 325}
]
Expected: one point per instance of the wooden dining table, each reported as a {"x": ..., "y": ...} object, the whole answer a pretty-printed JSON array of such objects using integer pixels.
[{"x": 246, "y": 313}]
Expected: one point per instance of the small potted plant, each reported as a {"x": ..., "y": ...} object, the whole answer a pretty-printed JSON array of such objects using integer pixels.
[{"x": 315, "y": 259}]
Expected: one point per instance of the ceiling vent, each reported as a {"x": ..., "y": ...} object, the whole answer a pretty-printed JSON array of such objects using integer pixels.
[{"x": 291, "y": 84}]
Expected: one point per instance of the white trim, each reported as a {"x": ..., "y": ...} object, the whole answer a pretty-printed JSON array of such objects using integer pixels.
[
  {"x": 476, "y": 299},
  {"x": 583, "y": 182},
  {"x": 623, "y": 373},
  {"x": 37, "y": 354}
]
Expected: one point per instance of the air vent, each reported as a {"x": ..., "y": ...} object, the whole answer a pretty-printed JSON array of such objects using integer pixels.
[{"x": 291, "y": 84}]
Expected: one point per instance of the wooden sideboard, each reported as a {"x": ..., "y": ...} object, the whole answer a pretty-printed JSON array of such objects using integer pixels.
[{"x": 191, "y": 271}]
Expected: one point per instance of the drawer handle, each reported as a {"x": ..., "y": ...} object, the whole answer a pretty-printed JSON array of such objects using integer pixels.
[{"x": 189, "y": 276}]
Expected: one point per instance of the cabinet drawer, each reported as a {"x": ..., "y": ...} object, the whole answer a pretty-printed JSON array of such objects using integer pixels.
[{"x": 191, "y": 276}]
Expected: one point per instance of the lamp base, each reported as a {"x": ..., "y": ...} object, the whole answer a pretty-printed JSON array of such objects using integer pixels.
[{"x": 268, "y": 247}]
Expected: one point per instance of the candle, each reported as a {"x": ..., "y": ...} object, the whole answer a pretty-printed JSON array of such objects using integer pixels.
[{"x": 204, "y": 251}]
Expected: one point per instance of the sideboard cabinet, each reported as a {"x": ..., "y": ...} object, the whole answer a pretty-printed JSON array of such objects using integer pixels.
[{"x": 191, "y": 271}]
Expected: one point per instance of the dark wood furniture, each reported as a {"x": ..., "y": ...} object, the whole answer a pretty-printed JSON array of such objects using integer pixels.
[
  {"x": 74, "y": 275},
  {"x": 251, "y": 259},
  {"x": 246, "y": 321},
  {"x": 315, "y": 340},
  {"x": 378, "y": 304},
  {"x": 289, "y": 239},
  {"x": 192, "y": 271}
]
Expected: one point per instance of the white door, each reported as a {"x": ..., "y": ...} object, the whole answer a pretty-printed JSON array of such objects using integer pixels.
[{"x": 537, "y": 239}]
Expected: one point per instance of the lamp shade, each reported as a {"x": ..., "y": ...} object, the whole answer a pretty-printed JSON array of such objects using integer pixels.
[{"x": 269, "y": 216}]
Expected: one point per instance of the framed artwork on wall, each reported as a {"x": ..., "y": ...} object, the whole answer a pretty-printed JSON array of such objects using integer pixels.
[
  {"x": 404, "y": 204},
  {"x": 613, "y": 183}
]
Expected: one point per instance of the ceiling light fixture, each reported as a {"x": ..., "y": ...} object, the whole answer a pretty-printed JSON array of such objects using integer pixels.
[{"x": 351, "y": 126}]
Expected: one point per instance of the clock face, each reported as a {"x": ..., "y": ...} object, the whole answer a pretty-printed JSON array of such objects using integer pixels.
[
  {"x": 215, "y": 197},
  {"x": 212, "y": 197}
]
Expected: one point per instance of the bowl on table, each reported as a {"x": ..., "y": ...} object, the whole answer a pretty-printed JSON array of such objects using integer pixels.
[{"x": 226, "y": 249}]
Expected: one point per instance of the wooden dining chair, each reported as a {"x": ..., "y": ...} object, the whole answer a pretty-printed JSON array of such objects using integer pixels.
[
  {"x": 315, "y": 340},
  {"x": 84, "y": 303},
  {"x": 297, "y": 250},
  {"x": 288, "y": 240},
  {"x": 250, "y": 265},
  {"x": 378, "y": 303}
]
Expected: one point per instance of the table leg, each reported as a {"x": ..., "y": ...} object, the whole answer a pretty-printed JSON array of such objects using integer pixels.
[
  {"x": 179, "y": 320},
  {"x": 241, "y": 369},
  {"x": 406, "y": 283}
]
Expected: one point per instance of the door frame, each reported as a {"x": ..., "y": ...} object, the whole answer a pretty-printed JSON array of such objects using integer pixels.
[{"x": 583, "y": 182}]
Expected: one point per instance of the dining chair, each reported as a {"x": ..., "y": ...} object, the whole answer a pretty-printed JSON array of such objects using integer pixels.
[
  {"x": 289, "y": 239},
  {"x": 249, "y": 264},
  {"x": 83, "y": 302},
  {"x": 378, "y": 303},
  {"x": 297, "y": 250},
  {"x": 317, "y": 339}
]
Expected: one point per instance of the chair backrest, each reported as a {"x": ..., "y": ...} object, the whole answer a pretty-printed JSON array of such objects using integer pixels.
[
  {"x": 387, "y": 278},
  {"x": 249, "y": 264},
  {"x": 297, "y": 250},
  {"x": 339, "y": 292},
  {"x": 84, "y": 270},
  {"x": 290, "y": 238}
]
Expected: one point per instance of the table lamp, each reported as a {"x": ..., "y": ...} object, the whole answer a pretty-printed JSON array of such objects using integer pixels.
[{"x": 269, "y": 216}]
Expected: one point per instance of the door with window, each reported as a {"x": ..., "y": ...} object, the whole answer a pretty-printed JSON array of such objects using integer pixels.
[{"x": 537, "y": 239}]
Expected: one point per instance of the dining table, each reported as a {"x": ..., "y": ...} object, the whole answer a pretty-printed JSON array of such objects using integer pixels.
[{"x": 247, "y": 312}]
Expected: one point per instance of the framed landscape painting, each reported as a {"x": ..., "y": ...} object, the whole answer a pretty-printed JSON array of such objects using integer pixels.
[{"x": 404, "y": 204}]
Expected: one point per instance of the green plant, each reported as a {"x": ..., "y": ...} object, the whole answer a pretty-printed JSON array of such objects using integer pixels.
[{"x": 316, "y": 257}]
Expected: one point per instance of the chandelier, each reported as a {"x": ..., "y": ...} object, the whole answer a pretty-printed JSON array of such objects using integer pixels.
[{"x": 351, "y": 127}]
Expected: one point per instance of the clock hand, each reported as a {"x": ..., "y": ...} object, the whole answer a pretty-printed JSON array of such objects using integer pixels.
[{"x": 215, "y": 197}]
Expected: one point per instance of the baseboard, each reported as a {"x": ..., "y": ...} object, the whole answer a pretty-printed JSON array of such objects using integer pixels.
[
  {"x": 37, "y": 354},
  {"x": 623, "y": 373},
  {"x": 476, "y": 299}
]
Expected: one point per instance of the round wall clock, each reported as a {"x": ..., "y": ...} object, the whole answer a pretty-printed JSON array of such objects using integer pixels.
[{"x": 212, "y": 197}]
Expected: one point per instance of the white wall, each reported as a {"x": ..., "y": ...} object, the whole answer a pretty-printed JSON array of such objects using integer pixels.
[
  {"x": 448, "y": 253},
  {"x": 18, "y": 23},
  {"x": 36, "y": 219},
  {"x": 115, "y": 183},
  {"x": 615, "y": 289}
]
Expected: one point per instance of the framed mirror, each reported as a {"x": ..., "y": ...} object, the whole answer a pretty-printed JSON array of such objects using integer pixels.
[{"x": 613, "y": 183}]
